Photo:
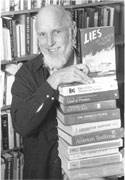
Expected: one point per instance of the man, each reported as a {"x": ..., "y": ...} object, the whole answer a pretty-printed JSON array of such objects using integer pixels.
[{"x": 35, "y": 91}]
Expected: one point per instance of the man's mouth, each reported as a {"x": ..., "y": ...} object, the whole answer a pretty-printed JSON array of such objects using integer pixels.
[{"x": 53, "y": 49}]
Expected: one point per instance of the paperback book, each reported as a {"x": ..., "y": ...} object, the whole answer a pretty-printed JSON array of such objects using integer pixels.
[{"x": 92, "y": 137}]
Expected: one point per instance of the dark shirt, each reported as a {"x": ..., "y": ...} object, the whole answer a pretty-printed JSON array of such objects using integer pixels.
[{"x": 38, "y": 129}]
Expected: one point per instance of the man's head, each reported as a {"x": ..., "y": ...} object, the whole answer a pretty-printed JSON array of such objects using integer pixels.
[{"x": 56, "y": 34}]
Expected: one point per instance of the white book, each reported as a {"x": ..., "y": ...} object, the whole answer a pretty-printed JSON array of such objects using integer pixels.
[
  {"x": 9, "y": 82},
  {"x": 7, "y": 44},
  {"x": 93, "y": 161},
  {"x": 77, "y": 88},
  {"x": 89, "y": 127},
  {"x": 2, "y": 87},
  {"x": 10, "y": 132},
  {"x": 92, "y": 146},
  {"x": 1, "y": 40},
  {"x": 89, "y": 153}
]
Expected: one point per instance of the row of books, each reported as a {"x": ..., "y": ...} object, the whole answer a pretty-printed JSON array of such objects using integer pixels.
[
  {"x": 9, "y": 138},
  {"x": 7, "y": 77},
  {"x": 18, "y": 36},
  {"x": 12, "y": 165},
  {"x": 89, "y": 120},
  {"x": 17, "y": 5}
]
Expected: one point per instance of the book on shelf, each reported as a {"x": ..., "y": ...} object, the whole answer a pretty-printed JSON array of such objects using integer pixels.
[
  {"x": 91, "y": 97},
  {"x": 91, "y": 162},
  {"x": 98, "y": 51},
  {"x": 87, "y": 128},
  {"x": 88, "y": 154},
  {"x": 14, "y": 155},
  {"x": 69, "y": 149},
  {"x": 7, "y": 131},
  {"x": 92, "y": 137},
  {"x": 80, "y": 88},
  {"x": 87, "y": 117},
  {"x": 2, "y": 88},
  {"x": 107, "y": 170},
  {"x": 2, "y": 168},
  {"x": 8, "y": 165},
  {"x": 87, "y": 107}
]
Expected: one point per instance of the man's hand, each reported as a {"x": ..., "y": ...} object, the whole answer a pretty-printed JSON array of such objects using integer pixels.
[{"x": 74, "y": 73}]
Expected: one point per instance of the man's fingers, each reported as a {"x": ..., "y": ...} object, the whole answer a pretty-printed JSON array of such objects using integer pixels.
[{"x": 83, "y": 68}]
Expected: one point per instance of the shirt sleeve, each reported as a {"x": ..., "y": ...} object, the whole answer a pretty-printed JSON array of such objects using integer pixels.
[{"x": 26, "y": 101}]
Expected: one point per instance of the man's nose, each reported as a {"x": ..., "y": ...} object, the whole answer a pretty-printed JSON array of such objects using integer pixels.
[{"x": 51, "y": 40}]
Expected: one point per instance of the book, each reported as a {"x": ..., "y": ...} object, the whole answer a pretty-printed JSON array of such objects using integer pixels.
[
  {"x": 98, "y": 50},
  {"x": 2, "y": 168},
  {"x": 92, "y": 146},
  {"x": 87, "y": 107},
  {"x": 79, "y": 88},
  {"x": 107, "y": 170},
  {"x": 14, "y": 155},
  {"x": 91, "y": 97},
  {"x": 87, "y": 117},
  {"x": 91, "y": 162},
  {"x": 7, "y": 131},
  {"x": 92, "y": 137},
  {"x": 8, "y": 165},
  {"x": 88, "y": 154},
  {"x": 92, "y": 127}
]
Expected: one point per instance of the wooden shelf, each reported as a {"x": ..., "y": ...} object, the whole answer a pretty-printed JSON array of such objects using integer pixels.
[{"x": 12, "y": 13}]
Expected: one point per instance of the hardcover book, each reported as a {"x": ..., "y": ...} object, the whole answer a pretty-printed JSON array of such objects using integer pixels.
[
  {"x": 88, "y": 147},
  {"x": 79, "y": 88},
  {"x": 107, "y": 170},
  {"x": 98, "y": 50},
  {"x": 86, "y": 117},
  {"x": 86, "y": 128},
  {"x": 87, "y": 107},
  {"x": 91, "y": 162},
  {"x": 92, "y": 137},
  {"x": 88, "y": 154},
  {"x": 91, "y": 97}
]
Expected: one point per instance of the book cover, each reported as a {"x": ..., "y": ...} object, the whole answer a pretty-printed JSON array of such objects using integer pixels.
[
  {"x": 91, "y": 97},
  {"x": 4, "y": 131},
  {"x": 92, "y": 146},
  {"x": 98, "y": 50},
  {"x": 14, "y": 155},
  {"x": 79, "y": 88},
  {"x": 107, "y": 170},
  {"x": 92, "y": 137},
  {"x": 87, "y": 117},
  {"x": 87, "y": 107},
  {"x": 91, "y": 162},
  {"x": 86, "y": 128}
]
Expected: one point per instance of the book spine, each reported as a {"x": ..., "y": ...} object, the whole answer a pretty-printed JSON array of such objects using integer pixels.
[
  {"x": 93, "y": 106},
  {"x": 88, "y": 88},
  {"x": 101, "y": 145},
  {"x": 4, "y": 125},
  {"x": 78, "y": 118},
  {"x": 97, "y": 137},
  {"x": 88, "y": 154},
  {"x": 96, "y": 126},
  {"x": 92, "y": 97},
  {"x": 89, "y": 162}
]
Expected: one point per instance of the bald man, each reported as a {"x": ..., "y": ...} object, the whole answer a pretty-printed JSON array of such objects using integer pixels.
[{"x": 35, "y": 92}]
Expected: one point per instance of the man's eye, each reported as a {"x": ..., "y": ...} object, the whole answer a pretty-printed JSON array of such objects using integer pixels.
[
  {"x": 57, "y": 32},
  {"x": 42, "y": 34}
]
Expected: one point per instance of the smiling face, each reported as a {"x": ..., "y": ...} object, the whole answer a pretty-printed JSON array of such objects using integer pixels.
[{"x": 55, "y": 36}]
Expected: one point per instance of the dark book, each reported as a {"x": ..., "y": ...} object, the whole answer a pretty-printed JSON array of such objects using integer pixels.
[
  {"x": 92, "y": 137},
  {"x": 85, "y": 117},
  {"x": 92, "y": 97},
  {"x": 88, "y": 107},
  {"x": 4, "y": 126}
]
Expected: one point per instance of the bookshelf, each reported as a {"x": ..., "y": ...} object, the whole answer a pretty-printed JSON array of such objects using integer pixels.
[{"x": 119, "y": 41}]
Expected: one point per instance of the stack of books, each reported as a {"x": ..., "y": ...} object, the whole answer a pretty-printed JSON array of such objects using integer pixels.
[{"x": 89, "y": 122}]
